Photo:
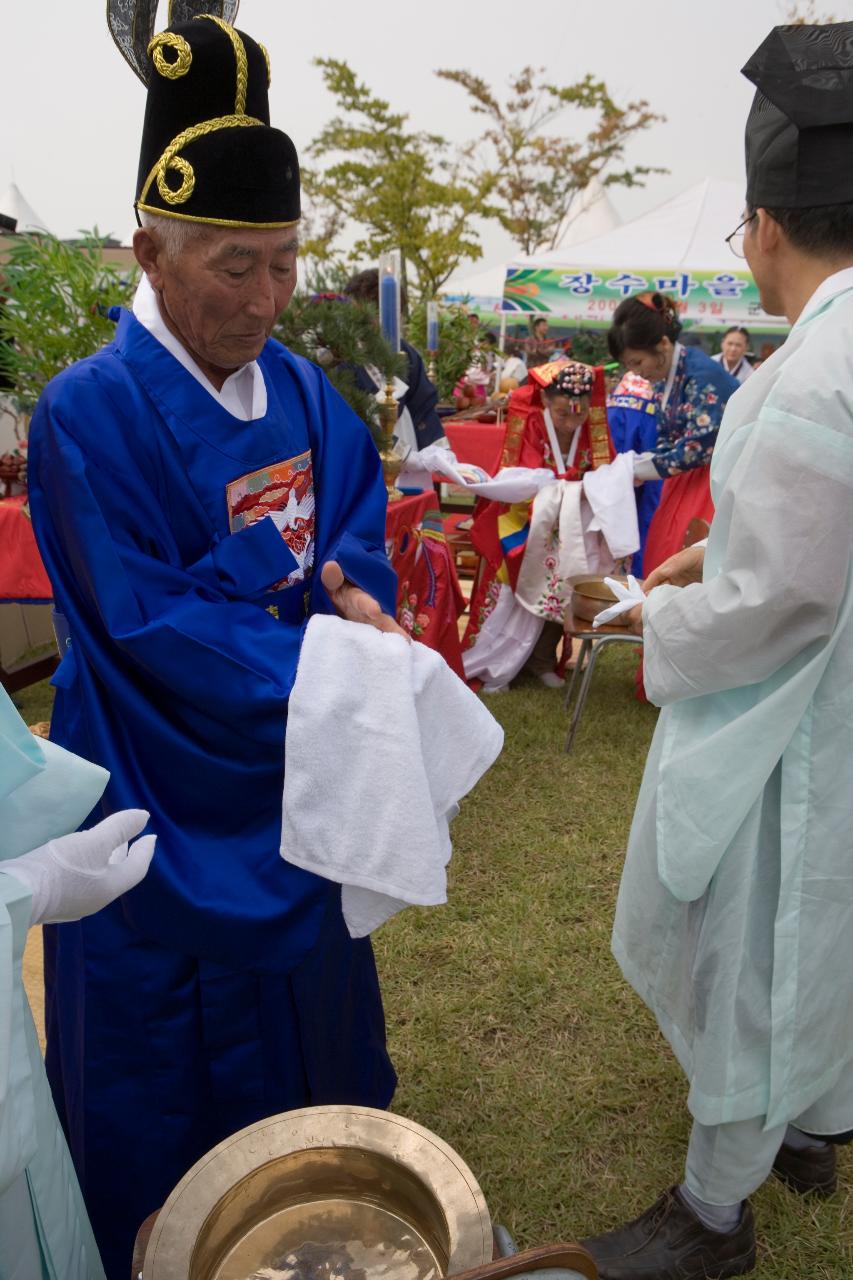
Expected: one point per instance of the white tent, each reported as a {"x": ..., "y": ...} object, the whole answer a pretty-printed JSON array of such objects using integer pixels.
[
  {"x": 595, "y": 216},
  {"x": 14, "y": 205},
  {"x": 678, "y": 248},
  {"x": 484, "y": 289},
  {"x": 687, "y": 231}
]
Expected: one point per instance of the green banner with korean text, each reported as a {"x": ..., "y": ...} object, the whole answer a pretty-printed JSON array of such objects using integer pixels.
[{"x": 588, "y": 296}]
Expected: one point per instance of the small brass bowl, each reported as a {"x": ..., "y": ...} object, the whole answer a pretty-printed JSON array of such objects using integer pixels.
[
  {"x": 590, "y": 596},
  {"x": 325, "y": 1193}
]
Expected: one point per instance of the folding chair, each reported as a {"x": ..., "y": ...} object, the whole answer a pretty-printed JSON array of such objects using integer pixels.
[{"x": 592, "y": 644}]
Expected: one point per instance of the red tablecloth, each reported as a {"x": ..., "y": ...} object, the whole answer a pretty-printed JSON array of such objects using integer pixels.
[
  {"x": 22, "y": 574},
  {"x": 480, "y": 443},
  {"x": 429, "y": 600}
]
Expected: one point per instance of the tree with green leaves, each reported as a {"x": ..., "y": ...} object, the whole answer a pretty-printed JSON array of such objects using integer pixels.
[
  {"x": 538, "y": 173},
  {"x": 400, "y": 188},
  {"x": 57, "y": 296},
  {"x": 457, "y": 344},
  {"x": 341, "y": 335}
]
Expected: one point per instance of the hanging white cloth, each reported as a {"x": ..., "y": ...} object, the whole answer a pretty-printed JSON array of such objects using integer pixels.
[
  {"x": 609, "y": 491},
  {"x": 367, "y": 710},
  {"x": 557, "y": 510},
  {"x": 511, "y": 484}
]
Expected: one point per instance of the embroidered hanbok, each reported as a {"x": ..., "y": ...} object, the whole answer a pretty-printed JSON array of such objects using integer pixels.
[
  {"x": 632, "y": 419},
  {"x": 224, "y": 988},
  {"x": 689, "y": 406},
  {"x": 500, "y": 531}
]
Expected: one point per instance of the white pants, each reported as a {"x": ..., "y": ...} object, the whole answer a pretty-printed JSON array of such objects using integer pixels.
[{"x": 727, "y": 1162}]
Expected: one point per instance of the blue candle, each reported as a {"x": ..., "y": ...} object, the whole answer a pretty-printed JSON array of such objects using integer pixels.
[
  {"x": 432, "y": 327},
  {"x": 389, "y": 311}
]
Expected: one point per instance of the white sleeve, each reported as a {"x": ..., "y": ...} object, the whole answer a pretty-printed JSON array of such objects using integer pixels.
[{"x": 786, "y": 513}]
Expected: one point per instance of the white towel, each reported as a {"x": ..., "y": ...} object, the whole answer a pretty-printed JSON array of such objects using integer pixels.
[
  {"x": 609, "y": 490},
  {"x": 511, "y": 484},
  {"x": 383, "y": 740}
]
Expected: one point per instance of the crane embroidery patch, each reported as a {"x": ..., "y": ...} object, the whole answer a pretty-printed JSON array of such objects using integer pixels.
[{"x": 285, "y": 491}]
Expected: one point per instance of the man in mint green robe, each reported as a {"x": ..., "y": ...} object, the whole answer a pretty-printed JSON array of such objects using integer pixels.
[
  {"x": 734, "y": 920},
  {"x": 44, "y": 793}
]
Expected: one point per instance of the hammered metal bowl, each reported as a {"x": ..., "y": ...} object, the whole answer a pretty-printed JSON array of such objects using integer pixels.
[
  {"x": 326, "y": 1193},
  {"x": 590, "y": 596}
]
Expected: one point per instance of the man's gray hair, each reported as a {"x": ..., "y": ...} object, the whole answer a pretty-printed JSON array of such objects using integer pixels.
[{"x": 173, "y": 234}]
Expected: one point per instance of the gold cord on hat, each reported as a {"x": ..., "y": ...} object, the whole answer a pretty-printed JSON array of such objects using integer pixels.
[
  {"x": 179, "y": 46},
  {"x": 170, "y": 159},
  {"x": 265, "y": 52},
  {"x": 240, "y": 58}
]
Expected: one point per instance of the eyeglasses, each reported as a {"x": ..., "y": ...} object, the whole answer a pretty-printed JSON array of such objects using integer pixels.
[{"x": 735, "y": 240}]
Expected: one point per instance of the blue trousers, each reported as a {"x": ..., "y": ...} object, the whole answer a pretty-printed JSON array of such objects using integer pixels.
[{"x": 154, "y": 1056}]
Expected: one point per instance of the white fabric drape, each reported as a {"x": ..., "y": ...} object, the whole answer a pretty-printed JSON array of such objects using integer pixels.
[{"x": 383, "y": 740}]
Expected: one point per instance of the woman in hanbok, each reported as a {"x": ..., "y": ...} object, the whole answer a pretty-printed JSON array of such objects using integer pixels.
[
  {"x": 691, "y": 392},
  {"x": 558, "y": 422}
]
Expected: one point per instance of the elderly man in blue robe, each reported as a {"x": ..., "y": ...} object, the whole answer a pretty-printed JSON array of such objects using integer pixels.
[
  {"x": 197, "y": 494},
  {"x": 735, "y": 914}
]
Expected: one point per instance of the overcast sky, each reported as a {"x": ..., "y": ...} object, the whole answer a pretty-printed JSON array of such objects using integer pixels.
[{"x": 72, "y": 109}]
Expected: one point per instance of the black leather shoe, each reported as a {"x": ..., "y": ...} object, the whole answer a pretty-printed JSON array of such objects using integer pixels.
[
  {"x": 810, "y": 1169},
  {"x": 668, "y": 1242}
]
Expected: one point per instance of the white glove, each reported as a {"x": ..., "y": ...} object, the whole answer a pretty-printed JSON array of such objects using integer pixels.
[
  {"x": 626, "y": 599},
  {"x": 79, "y": 874},
  {"x": 644, "y": 467}
]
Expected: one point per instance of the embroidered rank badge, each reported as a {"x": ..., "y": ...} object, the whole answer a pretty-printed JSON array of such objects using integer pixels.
[{"x": 285, "y": 489}]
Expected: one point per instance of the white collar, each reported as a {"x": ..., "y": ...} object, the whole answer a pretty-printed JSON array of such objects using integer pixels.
[
  {"x": 670, "y": 377},
  {"x": 836, "y": 283},
  {"x": 243, "y": 393},
  {"x": 551, "y": 431}
]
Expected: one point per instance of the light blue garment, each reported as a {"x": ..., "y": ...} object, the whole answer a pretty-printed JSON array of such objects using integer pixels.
[
  {"x": 47, "y": 792},
  {"x": 735, "y": 913}
]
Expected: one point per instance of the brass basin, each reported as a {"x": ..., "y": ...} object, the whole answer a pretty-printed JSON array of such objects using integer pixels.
[
  {"x": 326, "y": 1193},
  {"x": 590, "y": 596},
  {"x": 596, "y": 589}
]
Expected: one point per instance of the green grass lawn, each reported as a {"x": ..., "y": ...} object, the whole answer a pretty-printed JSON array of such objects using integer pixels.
[{"x": 514, "y": 1035}]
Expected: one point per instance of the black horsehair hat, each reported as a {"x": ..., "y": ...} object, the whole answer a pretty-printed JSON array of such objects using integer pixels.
[
  {"x": 208, "y": 152},
  {"x": 799, "y": 134}
]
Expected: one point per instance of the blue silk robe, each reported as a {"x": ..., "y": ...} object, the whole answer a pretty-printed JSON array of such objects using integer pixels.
[
  {"x": 223, "y": 988},
  {"x": 632, "y": 419}
]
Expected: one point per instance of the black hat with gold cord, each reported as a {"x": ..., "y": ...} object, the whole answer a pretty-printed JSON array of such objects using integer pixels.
[{"x": 208, "y": 151}]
